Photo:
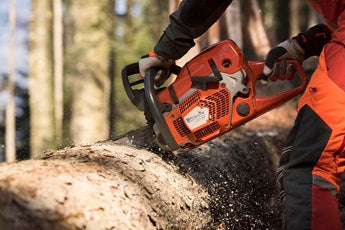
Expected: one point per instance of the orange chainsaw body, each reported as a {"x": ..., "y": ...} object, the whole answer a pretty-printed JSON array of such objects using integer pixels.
[
  {"x": 212, "y": 94},
  {"x": 202, "y": 110}
]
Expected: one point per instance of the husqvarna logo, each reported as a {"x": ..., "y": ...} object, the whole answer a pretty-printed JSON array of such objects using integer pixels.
[
  {"x": 200, "y": 115},
  {"x": 197, "y": 117}
]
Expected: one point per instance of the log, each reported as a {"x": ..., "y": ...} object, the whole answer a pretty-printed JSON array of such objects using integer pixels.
[
  {"x": 104, "y": 186},
  {"x": 128, "y": 183}
]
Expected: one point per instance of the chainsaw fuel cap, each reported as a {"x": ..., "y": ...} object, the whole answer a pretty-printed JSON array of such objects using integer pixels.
[{"x": 243, "y": 109}]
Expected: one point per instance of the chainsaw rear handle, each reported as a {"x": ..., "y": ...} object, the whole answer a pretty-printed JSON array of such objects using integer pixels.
[
  {"x": 155, "y": 109},
  {"x": 264, "y": 104}
]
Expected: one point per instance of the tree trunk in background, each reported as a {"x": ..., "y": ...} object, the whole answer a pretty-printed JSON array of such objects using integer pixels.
[
  {"x": 10, "y": 109},
  {"x": 41, "y": 88},
  {"x": 256, "y": 42},
  {"x": 312, "y": 18},
  {"x": 269, "y": 18},
  {"x": 58, "y": 69},
  {"x": 233, "y": 22},
  {"x": 213, "y": 34},
  {"x": 252, "y": 36},
  {"x": 158, "y": 11},
  {"x": 283, "y": 20},
  {"x": 68, "y": 74},
  {"x": 112, "y": 97},
  {"x": 112, "y": 77},
  {"x": 227, "y": 27},
  {"x": 93, "y": 28},
  {"x": 129, "y": 30},
  {"x": 298, "y": 16}
]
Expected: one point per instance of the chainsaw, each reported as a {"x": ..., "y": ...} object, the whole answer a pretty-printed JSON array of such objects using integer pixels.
[{"x": 213, "y": 93}]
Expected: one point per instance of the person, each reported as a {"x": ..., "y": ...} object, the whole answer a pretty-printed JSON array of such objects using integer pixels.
[{"x": 314, "y": 157}]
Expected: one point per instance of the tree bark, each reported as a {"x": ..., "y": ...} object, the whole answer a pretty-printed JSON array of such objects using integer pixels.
[
  {"x": 93, "y": 28},
  {"x": 58, "y": 69},
  {"x": 104, "y": 186},
  {"x": 214, "y": 33},
  {"x": 233, "y": 22},
  {"x": 11, "y": 106},
  {"x": 256, "y": 42},
  {"x": 41, "y": 88},
  {"x": 282, "y": 16}
]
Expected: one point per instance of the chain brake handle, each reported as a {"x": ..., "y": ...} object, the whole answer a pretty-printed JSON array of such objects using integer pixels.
[{"x": 264, "y": 104}]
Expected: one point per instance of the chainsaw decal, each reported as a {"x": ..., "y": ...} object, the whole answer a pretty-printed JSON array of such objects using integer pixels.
[{"x": 197, "y": 117}]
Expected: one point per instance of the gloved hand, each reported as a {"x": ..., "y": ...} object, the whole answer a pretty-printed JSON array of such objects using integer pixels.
[
  {"x": 275, "y": 64},
  {"x": 152, "y": 60}
]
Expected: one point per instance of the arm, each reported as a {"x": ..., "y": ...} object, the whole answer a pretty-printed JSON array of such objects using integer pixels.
[{"x": 190, "y": 21}]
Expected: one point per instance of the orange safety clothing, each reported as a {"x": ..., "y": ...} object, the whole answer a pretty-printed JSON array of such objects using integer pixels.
[{"x": 314, "y": 157}]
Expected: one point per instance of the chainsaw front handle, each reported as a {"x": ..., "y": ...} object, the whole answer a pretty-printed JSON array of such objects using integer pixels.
[{"x": 156, "y": 110}]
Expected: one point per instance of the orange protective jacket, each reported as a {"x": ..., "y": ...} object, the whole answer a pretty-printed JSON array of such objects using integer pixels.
[{"x": 325, "y": 93}]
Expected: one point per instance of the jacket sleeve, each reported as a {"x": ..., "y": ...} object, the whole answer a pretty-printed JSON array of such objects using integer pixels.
[{"x": 190, "y": 21}]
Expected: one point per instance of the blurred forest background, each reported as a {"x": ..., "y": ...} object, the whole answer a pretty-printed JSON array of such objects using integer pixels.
[{"x": 60, "y": 62}]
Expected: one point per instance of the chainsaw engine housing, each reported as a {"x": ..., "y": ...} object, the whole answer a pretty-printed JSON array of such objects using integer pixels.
[{"x": 202, "y": 95}]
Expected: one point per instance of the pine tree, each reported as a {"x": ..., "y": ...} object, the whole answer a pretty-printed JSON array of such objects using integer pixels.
[
  {"x": 41, "y": 86},
  {"x": 58, "y": 69},
  {"x": 93, "y": 31},
  {"x": 10, "y": 109}
]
